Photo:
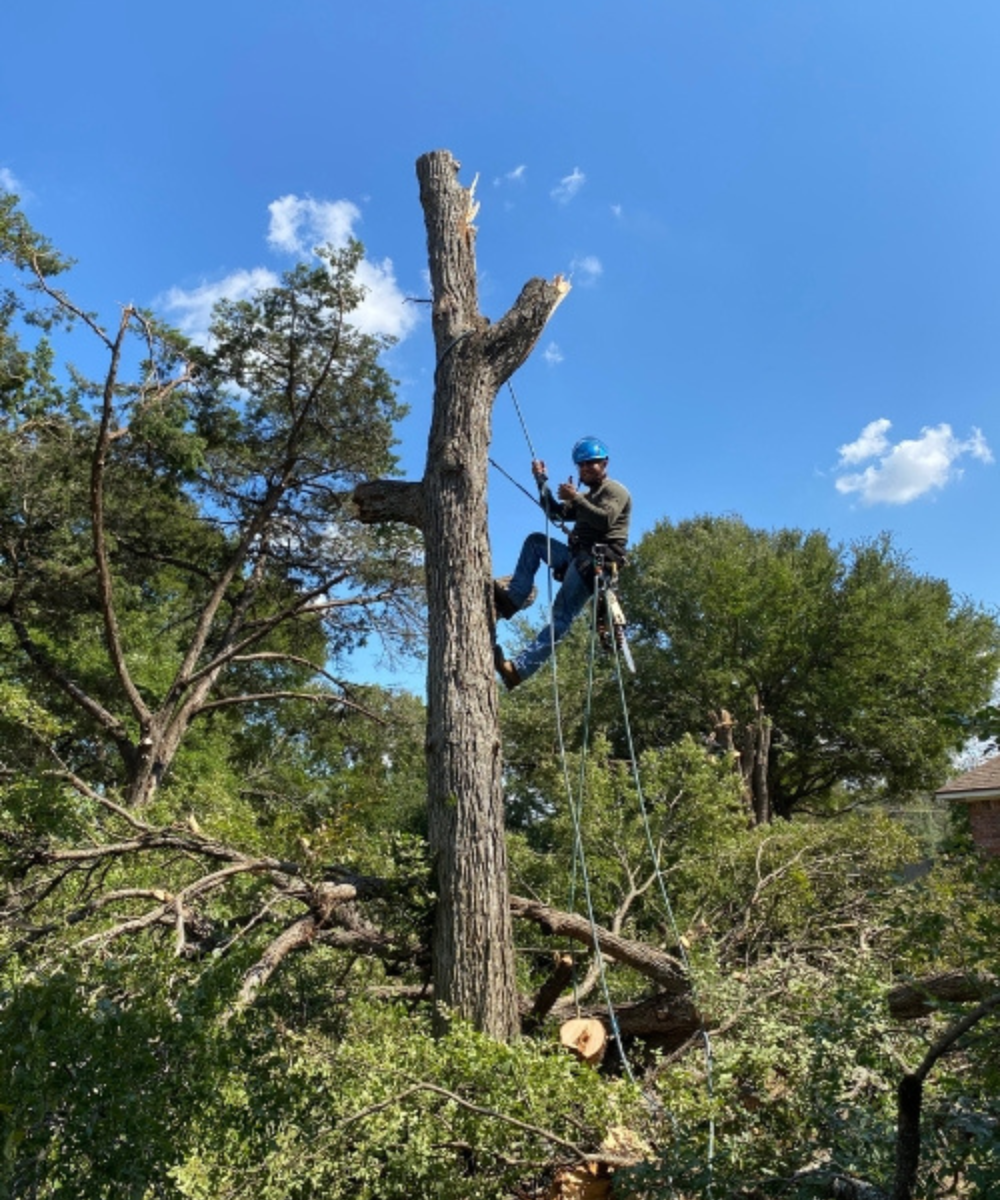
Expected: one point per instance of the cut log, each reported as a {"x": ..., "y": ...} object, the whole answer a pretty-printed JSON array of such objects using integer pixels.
[
  {"x": 665, "y": 1021},
  {"x": 593, "y": 1180},
  {"x": 586, "y": 1037},
  {"x": 588, "y": 1182}
]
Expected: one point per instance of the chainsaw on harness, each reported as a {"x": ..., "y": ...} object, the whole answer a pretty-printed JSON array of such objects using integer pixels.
[{"x": 611, "y": 620}]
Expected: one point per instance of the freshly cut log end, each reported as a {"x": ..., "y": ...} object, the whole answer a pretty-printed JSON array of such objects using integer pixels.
[
  {"x": 589, "y": 1182},
  {"x": 586, "y": 1037}
]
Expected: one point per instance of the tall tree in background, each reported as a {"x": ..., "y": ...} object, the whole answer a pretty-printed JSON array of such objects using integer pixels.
[
  {"x": 834, "y": 675},
  {"x": 473, "y": 948}
]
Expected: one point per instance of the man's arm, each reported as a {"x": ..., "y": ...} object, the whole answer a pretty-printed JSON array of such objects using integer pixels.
[
  {"x": 603, "y": 511},
  {"x": 549, "y": 503}
]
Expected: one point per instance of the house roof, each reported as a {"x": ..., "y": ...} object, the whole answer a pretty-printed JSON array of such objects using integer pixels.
[{"x": 980, "y": 782}]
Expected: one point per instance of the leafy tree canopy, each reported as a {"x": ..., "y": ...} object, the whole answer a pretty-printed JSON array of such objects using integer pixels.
[{"x": 862, "y": 670}]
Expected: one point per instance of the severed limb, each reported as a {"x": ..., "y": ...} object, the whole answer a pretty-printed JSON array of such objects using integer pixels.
[
  {"x": 923, "y": 996},
  {"x": 300, "y": 933},
  {"x": 663, "y": 968}
]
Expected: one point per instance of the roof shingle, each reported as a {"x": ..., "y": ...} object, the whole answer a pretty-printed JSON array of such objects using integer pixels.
[{"x": 985, "y": 778}]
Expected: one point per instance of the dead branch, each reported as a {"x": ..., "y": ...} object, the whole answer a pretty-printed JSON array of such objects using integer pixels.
[
  {"x": 63, "y": 301},
  {"x": 300, "y": 933},
  {"x": 164, "y": 840},
  {"x": 173, "y": 910},
  {"x": 93, "y": 906}
]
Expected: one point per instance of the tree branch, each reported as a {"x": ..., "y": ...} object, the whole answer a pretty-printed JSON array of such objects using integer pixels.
[
  {"x": 105, "y": 586},
  {"x": 253, "y": 697},
  {"x": 922, "y": 997},
  {"x": 508, "y": 343},
  {"x": 109, "y": 723},
  {"x": 300, "y": 933},
  {"x": 380, "y": 500},
  {"x": 654, "y": 964},
  {"x": 909, "y": 1098},
  {"x": 104, "y": 801}
]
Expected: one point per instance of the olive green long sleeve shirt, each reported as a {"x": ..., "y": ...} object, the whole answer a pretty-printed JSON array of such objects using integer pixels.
[{"x": 599, "y": 515}]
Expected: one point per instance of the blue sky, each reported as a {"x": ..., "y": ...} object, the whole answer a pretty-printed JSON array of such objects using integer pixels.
[{"x": 781, "y": 220}]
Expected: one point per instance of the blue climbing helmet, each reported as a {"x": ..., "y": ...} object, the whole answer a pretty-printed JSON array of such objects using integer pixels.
[{"x": 589, "y": 449}]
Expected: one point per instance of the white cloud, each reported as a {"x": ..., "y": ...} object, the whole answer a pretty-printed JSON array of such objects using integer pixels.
[
  {"x": 384, "y": 308},
  {"x": 192, "y": 309},
  {"x": 515, "y": 176},
  {"x": 9, "y": 181},
  {"x": 616, "y": 210},
  {"x": 299, "y": 224},
  {"x": 568, "y": 186},
  {"x": 586, "y": 270},
  {"x": 871, "y": 442},
  {"x": 552, "y": 354},
  {"x": 910, "y": 468}
]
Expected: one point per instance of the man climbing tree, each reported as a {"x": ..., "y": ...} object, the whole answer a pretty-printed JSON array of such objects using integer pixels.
[{"x": 601, "y": 517}]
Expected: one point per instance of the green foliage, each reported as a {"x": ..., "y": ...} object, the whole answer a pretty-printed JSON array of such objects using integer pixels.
[
  {"x": 864, "y": 668},
  {"x": 117, "y": 1094},
  {"x": 379, "y": 1133},
  {"x": 692, "y": 805}
]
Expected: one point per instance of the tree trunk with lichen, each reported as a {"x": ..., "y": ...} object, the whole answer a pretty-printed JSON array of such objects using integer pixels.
[{"x": 473, "y": 943}]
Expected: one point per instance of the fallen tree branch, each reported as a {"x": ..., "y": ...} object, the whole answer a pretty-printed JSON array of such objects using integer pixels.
[
  {"x": 300, "y": 933},
  {"x": 924, "y": 996},
  {"x": 545, "y": 1134},
  {"x": 667, "y": 971}
]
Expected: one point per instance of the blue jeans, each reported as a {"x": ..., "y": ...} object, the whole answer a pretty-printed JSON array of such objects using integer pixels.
[{"x": 570, "y": 598}]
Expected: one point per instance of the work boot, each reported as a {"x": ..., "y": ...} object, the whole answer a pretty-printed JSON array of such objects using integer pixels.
[
  {"x": 505, "y": 669},
  {"x": 504, "y": 603}
]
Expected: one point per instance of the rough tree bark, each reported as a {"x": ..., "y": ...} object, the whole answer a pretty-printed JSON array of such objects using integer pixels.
[{"x": 472, "y": 947}]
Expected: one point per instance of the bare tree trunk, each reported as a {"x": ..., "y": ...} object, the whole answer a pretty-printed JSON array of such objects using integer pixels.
[
  {"x": 761, "y": 732},
  {"x": 473, "y": 944},
  {"x": 751, "y": 758}
]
